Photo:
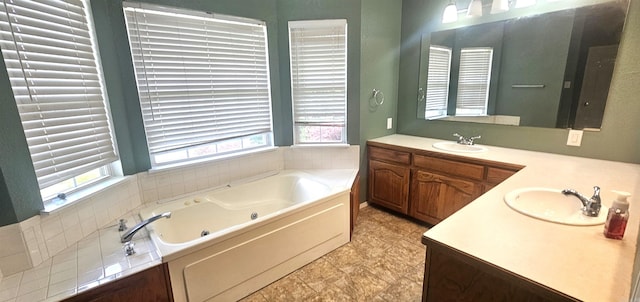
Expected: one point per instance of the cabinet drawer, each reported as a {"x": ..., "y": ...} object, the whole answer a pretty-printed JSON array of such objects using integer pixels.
[
  {"x": 496, "y": 175},
  {"x": 389, "y": 155},
  {"x": 466, "y": 170}
]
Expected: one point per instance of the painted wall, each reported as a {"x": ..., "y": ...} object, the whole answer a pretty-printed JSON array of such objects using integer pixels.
[
  {"x": 618, "y": 140},
  {"x": 19, "y": 193},
  {"x": 534, "y": 51},
  {"x": 380, "y": 38}
]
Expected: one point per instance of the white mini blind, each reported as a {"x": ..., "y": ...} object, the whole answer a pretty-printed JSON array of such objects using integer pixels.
[
  {"x": 318, "y": 54},
  {"x": 201, "y": 77},
  {"x": 50, "y": 58},
  {"x": 473, "y": 81},
  {"x": 438, "y": 81}
]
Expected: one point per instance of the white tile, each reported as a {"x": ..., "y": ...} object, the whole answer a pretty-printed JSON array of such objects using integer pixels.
[
  {"x": 68, "y": 276},
  {"x": 149, "y": 196},
  {"x": 73, "y": 235},
  {"x": 56, "y": 244},
  {"x": 62, "y": 288},
  {"x": 51, "y": 227},
  {"x": 91, "y": 276},
  {"x": 37, "y": 295},
  {"x": 40, "y": 272},
  {"x": 33, "y": 285},
  {"x": 70, "y": 219},
  {"x": 15, "y": 263},
  {"x": 12, "y": 243},
  {"x": 11, "y": 282}
]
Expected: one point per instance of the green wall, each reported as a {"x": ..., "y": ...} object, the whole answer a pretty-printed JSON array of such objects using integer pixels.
[
  {"x": 379, "y": 67},
  {"x": 534, "y": 51},
  {"x": 19, "y": 192},
  {"x": 618, "y": 139}
]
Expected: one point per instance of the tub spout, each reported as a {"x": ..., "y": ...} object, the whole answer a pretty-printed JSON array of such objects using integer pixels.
[{"x": 126, "y": 237}]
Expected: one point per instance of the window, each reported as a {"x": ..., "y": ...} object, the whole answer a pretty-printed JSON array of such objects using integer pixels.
[
  {"x": 318, "y": 55},
  {"x": 438, "y": 81},
  {"x": 203, "y": 82},
  {"x": 473, "y": 81},
  {"x": 56, "y": 81}
]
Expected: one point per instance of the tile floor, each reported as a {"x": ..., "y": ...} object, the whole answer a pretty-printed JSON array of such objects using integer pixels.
[{"x": 383, "y": 262}]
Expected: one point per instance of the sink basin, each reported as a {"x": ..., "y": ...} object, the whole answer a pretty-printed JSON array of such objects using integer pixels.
[
  {"x": 551, "y": 205},
  {"x": 455, "y": 147}
]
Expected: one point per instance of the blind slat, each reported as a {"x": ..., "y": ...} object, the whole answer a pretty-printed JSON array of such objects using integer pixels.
[
  {"x": 474, "y": 80},
  {"x": 200, "y": 78},
  {"x": 55, "y": 80}
]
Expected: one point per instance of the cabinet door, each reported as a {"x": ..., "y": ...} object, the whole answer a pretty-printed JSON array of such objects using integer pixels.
[
  {"x": 389, "y": 185},
  {"x": 434, "y": 197}
]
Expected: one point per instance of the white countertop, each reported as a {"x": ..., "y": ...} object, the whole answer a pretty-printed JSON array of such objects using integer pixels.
[{"x": 576, "y": 260}]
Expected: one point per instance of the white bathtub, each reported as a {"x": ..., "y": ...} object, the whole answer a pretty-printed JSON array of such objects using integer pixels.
[{"x": 298, "y": 216}]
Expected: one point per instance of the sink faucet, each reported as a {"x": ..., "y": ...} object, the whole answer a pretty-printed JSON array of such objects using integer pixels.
[
  {"x": 466, "y": 141},
  {"x": 590, "y": 206},
  {"x": 127, "y": 236}
]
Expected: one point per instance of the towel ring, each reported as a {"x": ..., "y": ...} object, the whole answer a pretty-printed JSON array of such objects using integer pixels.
[{"x": 378, "y": 97}]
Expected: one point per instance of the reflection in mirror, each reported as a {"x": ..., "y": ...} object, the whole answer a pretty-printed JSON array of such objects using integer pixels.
[{"x": 549, "y": 70}]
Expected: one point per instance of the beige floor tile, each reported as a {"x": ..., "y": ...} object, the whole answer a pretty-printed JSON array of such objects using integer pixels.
[{"x": 383, "y": 262}]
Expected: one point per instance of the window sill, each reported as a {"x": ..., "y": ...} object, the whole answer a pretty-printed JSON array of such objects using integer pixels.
[
  {"x": 191, "y": 163},
  {"x": 338, "y": 145},
  {"x": 84, "y": 194}
]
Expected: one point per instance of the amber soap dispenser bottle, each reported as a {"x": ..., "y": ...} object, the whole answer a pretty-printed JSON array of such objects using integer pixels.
[{"x": 617, "y": 217}]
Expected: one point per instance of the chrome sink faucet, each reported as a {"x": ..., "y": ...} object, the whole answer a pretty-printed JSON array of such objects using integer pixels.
[
  {"x": 128, "y": 235},
  {"x": 590, "y": 206},
  {"x": 466, "y": 141}
]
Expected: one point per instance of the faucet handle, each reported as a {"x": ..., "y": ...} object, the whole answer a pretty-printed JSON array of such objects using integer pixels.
[
  {"x": 596, "y": 194},
  {"x": 128, "y": 248},
  {"x": 123, "y": 225},
  {"x": 473, "y": 138}
]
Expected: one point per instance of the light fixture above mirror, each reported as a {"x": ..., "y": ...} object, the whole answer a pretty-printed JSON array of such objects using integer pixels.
[{"x": 450, "y": 13}]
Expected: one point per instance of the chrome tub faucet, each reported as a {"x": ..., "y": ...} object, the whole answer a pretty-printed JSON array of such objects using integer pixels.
[
  {"x": 590, "y": 206},
  {"x": 128, "y": 235}
]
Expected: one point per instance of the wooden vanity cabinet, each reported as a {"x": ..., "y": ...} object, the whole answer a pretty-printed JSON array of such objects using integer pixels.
[
  {"x": 150, "y": 285},
  {"x": 434, "y": 196},
  {"x": 451, "y": 275},
  {"x": 428, "y": 186},
  {"x": 389, "y": 174}
]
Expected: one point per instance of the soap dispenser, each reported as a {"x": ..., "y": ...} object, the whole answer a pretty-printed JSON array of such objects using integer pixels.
[{"x": 617, "y": 217}]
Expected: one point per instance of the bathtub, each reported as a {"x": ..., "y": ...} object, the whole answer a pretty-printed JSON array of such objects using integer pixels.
[{"x": 224, "y": 244}]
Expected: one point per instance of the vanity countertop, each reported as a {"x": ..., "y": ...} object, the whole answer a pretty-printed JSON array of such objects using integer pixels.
[{"x": 576, "y": 260}]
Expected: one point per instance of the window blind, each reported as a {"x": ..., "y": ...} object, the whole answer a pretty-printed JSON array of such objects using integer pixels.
[
  {"x": 473, "y": 81},
  {"x": 438, "y": 81},
  {"x": 201, "y": 77},
  {"x": 318, "y": 54},
  {"x": 51, "y": 62}
]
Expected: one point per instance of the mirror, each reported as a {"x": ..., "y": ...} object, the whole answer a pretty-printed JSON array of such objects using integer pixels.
[{"x": 548, "y": 70}]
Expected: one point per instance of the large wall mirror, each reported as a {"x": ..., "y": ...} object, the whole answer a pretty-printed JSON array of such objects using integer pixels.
[{"x": 549, "y": 69}]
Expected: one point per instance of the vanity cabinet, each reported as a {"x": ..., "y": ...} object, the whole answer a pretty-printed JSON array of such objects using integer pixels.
[
  {"x": 428, "y": 186},
  {"x": 389, "y": 179},
  {"x": 150, "y": 285},
  {"x": 451, "y": 275}
]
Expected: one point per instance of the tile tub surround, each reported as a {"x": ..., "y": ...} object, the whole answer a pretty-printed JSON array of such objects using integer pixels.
[
  {"x": 33, "y": 241},
  {"x": 169, "y": 184},
  {"x": 92, "y": 261},
  {"x": 577, "y": 261}
]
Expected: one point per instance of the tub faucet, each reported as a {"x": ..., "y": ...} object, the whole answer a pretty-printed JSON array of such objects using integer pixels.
[
  {"x": 590, "y": 206},
  {"x": 126, "y": 237},
  {"x": 466, "y": 141}
]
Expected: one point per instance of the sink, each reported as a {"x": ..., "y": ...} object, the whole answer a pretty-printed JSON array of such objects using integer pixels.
[
  {"x": 551, "y": 205},
  {"x": 455, "y": 147}
]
